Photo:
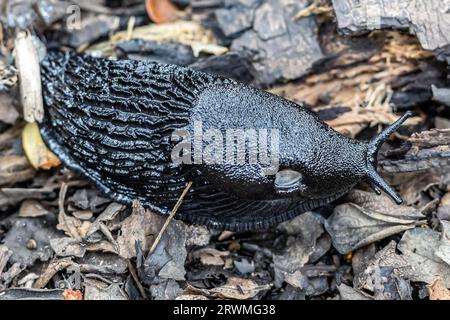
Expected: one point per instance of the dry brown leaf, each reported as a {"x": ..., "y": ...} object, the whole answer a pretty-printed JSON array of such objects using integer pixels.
[
  {"x": 67, "y": 247},
  {"x": 139, "y": 226},
  {"x": 411, "y": 185},
  {"x": 239, "y": 289},
  {"x": 225, "y": 235},
  {"x": 70, "y": 225},
  {"x": 210, "y": 256},
  {"x": 35, "y": 149},
  {"x": 161, "y": 11},
  {"x": 368, "y": 218},
  {"x": 83, "y": 214},
  {"x": 438, "y": 291},
  {"x": 98, "y": 290},
  {"x": 418, "y": 247},
  {"x": 54, "y": 267},
  {"x": 103, "y": 245},
  {"x": 31, "y": 209}
]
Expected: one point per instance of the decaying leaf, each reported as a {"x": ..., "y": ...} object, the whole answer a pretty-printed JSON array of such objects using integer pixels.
[
  {"x": 70, "y": 225},
  {"x": 161, "y": 11},
  {"x": 101, "y": 225},
  {"x": 239, "y": 289},
  {"x": 168, "y": 289},
  {"x": 210, "y": 256},
  {"x": 300, "y": 249},
  {"x": 83, "y": 214},
  {"x": 368, "y": 218},
  {"x": 98, "y": 290},
  {"x": 141, "y": 225},
  {"x": 35, "y": 149},
  {"x": 357, "y": 119},
  {"x": 348, "y": 293},
  {"x": 54, "y": 267},
  {"x": 39, "y": 231},
  {"x": 27, "y": 280},
  {"x": 197, "y": 235},
  {"x": 385, "y": 258},
  {"x": 168, "y": 259},
  {"x": 438, "y": 291},
  {"x": 32, "y": 209},
  {"x": 418, "y": 248},
  {"x": 88, "y": 199},
  {"x": 102, "y": 263},
  {"x": 412, "y": 184},
  {"x": 67, "y": 247}
]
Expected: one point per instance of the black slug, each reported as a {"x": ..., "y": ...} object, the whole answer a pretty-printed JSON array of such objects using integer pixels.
[{"x": 118, "y": 122}]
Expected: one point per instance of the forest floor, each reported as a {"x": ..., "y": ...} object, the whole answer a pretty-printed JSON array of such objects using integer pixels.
[{"x": 358, "y": 66}]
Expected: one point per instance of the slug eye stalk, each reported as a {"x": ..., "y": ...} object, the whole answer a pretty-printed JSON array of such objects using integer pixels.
[{"x": 374, "y": 179}]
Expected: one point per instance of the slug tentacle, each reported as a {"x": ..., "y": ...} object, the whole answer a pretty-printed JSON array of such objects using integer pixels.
[{"x": 375, "y": 180}]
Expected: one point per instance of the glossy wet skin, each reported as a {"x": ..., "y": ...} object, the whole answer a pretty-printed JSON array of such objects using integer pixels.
[
  {"x": 112, "y": 122},
  {"x": 314, "y": 161}
]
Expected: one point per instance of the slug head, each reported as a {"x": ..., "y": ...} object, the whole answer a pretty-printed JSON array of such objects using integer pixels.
[
  {"x": 314, "y": 162},
  {"x": 339, "y": 170}
]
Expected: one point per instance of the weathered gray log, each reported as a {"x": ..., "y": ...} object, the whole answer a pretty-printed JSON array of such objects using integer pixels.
[
  {"x": 428, "y": 20},
  {"x": 282, "y": 48}
]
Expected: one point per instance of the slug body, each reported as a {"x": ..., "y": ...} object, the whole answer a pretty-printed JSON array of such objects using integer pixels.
[{"x": 116, "y": 122}]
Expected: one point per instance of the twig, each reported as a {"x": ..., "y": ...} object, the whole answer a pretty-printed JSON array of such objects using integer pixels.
[
  {"x": 136, "y": 280},
  {"x": 172, "y": 214},
  {"x": 63, "y": 220}
]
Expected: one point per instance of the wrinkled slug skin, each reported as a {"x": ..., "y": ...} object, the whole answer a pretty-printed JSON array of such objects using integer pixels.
[{"x": 112, "y": 121}]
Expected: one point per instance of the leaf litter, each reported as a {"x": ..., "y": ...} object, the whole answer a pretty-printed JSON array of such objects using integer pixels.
[{"x": 62, "y": 239}]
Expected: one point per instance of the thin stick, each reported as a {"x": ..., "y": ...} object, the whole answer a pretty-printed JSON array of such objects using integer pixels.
[
  {"x": 136, "y": 280},
  {"x": 172, "y": 214}
]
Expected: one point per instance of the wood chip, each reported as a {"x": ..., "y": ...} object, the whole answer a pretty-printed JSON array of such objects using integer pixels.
[{"x": 27, "y": 64}]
